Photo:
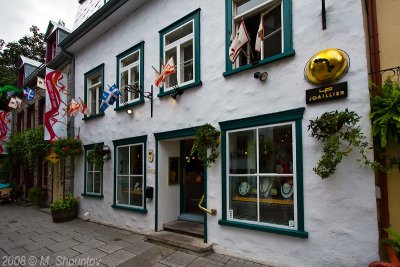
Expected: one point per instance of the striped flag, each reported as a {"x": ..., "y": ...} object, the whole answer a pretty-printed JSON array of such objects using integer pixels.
[
  {"x": 260, "y": 35},
  {"x": 241, "y": 39},
  {"x": 166, "y": 69},
  {"x": 83, "y": 108}
]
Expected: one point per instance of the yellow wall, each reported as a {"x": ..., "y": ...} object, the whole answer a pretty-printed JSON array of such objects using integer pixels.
[{"x": 388, "y": 13}]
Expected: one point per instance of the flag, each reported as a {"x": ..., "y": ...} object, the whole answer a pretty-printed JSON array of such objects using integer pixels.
[
  {"x": 83, "y": 108},
  {"x": 40, "y": 83},
  {"x": 15, "y": 102},
  {"x": 74, "y": 108},
  {"x": 166, "y": 69},
  {"x": 29, "y": 93},
  {"x": 108, "y": 98},
  {"x": 260, "y": 35},
  {"x": 241, "y": 38}
]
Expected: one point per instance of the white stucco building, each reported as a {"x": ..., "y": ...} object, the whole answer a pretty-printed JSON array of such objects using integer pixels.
[{"x": 271, "y": 208}]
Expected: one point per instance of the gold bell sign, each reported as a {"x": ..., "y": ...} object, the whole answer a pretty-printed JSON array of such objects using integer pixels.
[{"x": 53, "y": 158}]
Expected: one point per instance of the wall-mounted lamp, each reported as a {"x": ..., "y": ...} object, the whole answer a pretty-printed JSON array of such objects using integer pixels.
[
  {"x": 262, "y": 76},
  {"x": 129, "y": 111},
  {"x": 137, "y": 88},
  {"x": 177, "y": 91}
]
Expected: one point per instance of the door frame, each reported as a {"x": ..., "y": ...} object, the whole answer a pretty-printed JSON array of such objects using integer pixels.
[{"x": 176, "y": 134}]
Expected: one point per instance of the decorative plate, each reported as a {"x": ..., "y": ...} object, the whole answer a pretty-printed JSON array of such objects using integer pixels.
[
  {"x": 287, "y": 190},
  {"x": 244, "y": 188}
]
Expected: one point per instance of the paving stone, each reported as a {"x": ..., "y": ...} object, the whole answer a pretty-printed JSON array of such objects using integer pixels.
[
  {"x": 149, "y": 258},
  {"x": 92, "y": 254},
  {"x": 109, "y": 248},
  {"x": 179, "y": 259},
  {"x": 19, "y": 251},
  {"x": 236, "y": 262},
  {"x": 8, "y": 244},
  {"x": 89, "y": 245},
  {"x": 219, "y": 257},
  {"x": 63, "y": 245},
  {"x": 117, "y": 258},
  {"x": 133, "y": 238},
  {"x": 39, "y": 244},
  {"x": 203, "y": 262},
  {"x": 139, "y": 247}
]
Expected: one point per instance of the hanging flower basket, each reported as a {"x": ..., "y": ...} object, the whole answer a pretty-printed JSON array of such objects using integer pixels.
[
  {"x": 99, "y": 155},
  {"x": 65, "y": 147},
  {"x": 207, "y": 137}
]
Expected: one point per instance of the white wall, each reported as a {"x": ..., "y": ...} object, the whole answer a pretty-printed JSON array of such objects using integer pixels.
[{"x": 340, "y": 212}]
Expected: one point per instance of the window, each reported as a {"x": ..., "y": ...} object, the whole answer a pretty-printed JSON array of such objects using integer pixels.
[
  {"x": 130, "y": 180},
  {"x": 93, "y": 176},
  {"x": 181, "y": 42},
  {"x": 129, "y": 72},
  {"x": 94, "y": 83},
  {"x": 277, "y": 22},
  {"x": 262, "y": 173}
]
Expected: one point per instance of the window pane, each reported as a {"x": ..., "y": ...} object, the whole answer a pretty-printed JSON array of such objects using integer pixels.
[
  {"x": 134, "y": 79},
  {"x": 276, "y": 200},
  {"x": 136, "y": 160},
  {"x": 123, "y": 190},
  {"x": 273, "y": 32},
  {"x": 89, "y": 182},
  {"x": 244, "y": 5},
  {"x": 124, "y": 82},
  {"x": 93, "y": 100},
  {"x": 186, "y": 61},
  {"x": 275, "y": 149},
  {"x": 243, "y": 198},
  {"x": 97, "y": 182},
  {"x": 179, "y": 33},
  {"x": 123, "y": 160},
  {"x": 242, "y": 152},
  {"x": 130, "y": 59},
  {"x": 137, "y": 191},
  {"x": 94, "y": 79},
  {"x": 171, "y": 79}
]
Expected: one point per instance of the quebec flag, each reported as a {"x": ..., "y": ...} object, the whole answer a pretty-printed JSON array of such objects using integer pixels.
[{"x": 109, "y": 98}]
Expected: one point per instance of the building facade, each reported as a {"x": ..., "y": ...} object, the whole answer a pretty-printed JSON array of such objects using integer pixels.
[{"x": 270, "y": 204}]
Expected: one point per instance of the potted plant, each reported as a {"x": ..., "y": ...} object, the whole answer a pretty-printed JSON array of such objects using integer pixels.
[
  {"x": 35, "y": 194},
  {"x": 99, "y": 155},
  {"x": 207, "y": 137},
  {"x": 64, "y": 209},
  {"x": 339, "y": 133}
]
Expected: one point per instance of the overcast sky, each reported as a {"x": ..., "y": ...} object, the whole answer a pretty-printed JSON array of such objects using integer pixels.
[{"x": 16, "y": 16}]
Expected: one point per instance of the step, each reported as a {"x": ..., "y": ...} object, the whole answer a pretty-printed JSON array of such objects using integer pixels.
[
  {"x": 180, "y": 240},
  {"x": 184, "y": 227}
]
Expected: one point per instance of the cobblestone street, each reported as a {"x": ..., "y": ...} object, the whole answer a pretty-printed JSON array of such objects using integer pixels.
[{"x": 28, "y": 237}]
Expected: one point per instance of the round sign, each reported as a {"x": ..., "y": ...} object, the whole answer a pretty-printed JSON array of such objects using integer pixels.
[{"x": 327, "y": 66}]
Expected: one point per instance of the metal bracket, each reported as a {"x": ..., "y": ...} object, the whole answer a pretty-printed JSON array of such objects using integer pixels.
[{"x": 136, "y": 88}]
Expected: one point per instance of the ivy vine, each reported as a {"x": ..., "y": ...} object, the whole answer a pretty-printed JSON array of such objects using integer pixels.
[{"x": 207, "y": 137}]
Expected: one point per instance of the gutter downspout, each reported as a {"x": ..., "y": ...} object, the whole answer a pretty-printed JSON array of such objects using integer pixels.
[{"x": 376, "y": 77}]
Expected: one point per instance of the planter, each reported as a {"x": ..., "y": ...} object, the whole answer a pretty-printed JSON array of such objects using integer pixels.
[{"x": 64, "y": 215}]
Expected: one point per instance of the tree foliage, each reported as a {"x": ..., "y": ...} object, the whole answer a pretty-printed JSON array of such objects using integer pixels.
[{"x": 31, "y": 46}]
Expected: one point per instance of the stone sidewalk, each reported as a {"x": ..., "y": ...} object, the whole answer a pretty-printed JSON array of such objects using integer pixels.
[{"x": 28, "y": 237}]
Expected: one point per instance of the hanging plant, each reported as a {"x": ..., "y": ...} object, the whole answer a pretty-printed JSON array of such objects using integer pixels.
[
  {"x": 385, "y": 114},
  {"x": 27, "y": 146},
  {"x": 339, "y": 133},
  {"x": 99, "y": 155},
  {"x": 65, "y": 147},
  {"x": 207, "y": 137}
]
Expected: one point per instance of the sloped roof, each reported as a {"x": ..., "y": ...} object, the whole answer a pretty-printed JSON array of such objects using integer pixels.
[
  {"x": 29, "y": 61},
  {"x": 52, "y": 27}
]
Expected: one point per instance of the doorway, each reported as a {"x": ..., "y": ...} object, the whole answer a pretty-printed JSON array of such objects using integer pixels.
[{"x": 191, "y": 184}]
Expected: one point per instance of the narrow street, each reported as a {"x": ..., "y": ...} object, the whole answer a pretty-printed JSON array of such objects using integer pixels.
[{"x": 28, "y": 237}]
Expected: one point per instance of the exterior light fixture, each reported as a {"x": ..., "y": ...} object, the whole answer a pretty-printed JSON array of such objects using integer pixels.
[
  {"x": 129, "y": 111},
  {"x": 137, "y": 88},
  {"x": 262, "y": 76},
  {"x": 177, "y": 91}
]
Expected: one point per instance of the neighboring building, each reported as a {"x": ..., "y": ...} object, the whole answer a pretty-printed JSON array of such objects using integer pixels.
[
  {"x": 323, "y": 222},
  {"x": 384, "y": 61}
]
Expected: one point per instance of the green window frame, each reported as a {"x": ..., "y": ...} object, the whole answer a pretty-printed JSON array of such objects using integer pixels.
[
  {"x": 94, "y": 74},
  {"x": 187, "y": 71},
  {"x": 259, "y": 9},
  {"x": 91, "y": 169},
  {"x": 130, "y": 187},
  {"x": 280, "y": 119},
  {"x": 135, "y": 57}
]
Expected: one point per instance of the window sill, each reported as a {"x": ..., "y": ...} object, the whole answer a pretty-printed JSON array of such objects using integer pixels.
[
  {"x": 120, "y": 108},
  {"x": 259, "y": 63},
  {"x": 92, "y": 195},
  {"x": 91, "y": 117},
  {"x": 141, "y": 210},
  {"x": 268, "y": 229},
  {"x": 188, "y": 86}
]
